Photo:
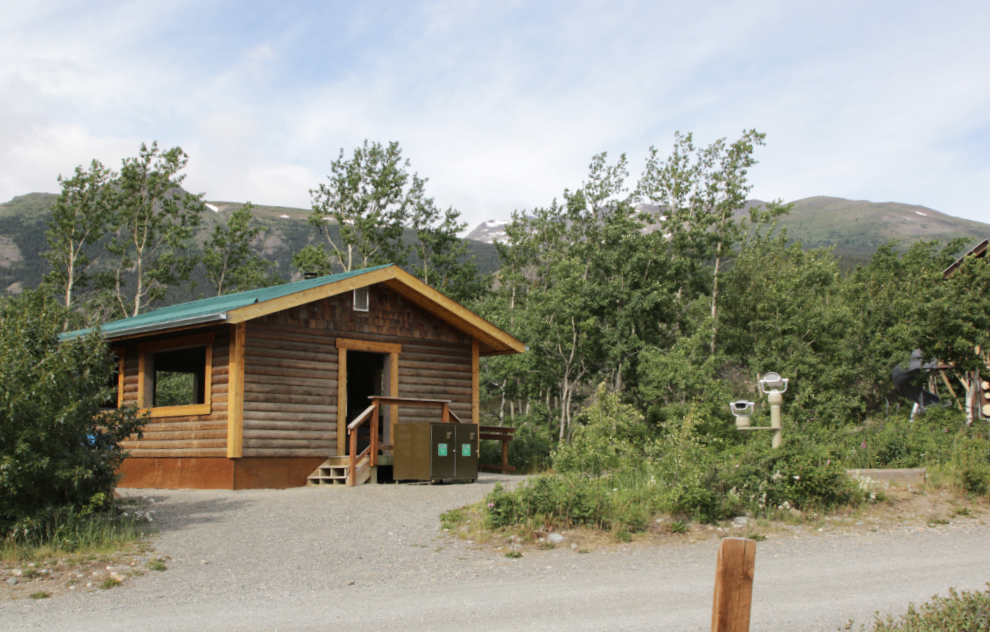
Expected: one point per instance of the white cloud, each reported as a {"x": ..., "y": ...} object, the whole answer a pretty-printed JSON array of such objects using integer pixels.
[{"x": 503, "y": 105}]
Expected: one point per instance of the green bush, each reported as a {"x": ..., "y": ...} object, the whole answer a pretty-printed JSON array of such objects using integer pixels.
[
  {"x": 707, "y": 481},
  {"x": 929, "y": 441},
  {"x": 59, "y": 452},
  {"x": 607, "y": 434},
  {"x": 969, "y": 611}
]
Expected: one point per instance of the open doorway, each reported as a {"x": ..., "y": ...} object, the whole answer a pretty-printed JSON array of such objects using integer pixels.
[{"x": 365, "y": 378}]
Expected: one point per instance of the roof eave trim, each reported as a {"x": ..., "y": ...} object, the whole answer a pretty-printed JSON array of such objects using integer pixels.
[{"x": 172, "y": 324}]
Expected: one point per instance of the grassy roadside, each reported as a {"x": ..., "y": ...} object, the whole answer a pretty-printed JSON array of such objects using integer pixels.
[
  {"x": 934, "y": 506},
  {"x": 79, "y": 553}
]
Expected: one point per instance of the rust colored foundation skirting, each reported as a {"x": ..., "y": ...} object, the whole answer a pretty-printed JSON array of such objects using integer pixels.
[{"x": 217, "y": 473}]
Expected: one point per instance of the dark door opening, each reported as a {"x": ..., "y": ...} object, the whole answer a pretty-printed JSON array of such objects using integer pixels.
[{"x": 365, "y": 377}]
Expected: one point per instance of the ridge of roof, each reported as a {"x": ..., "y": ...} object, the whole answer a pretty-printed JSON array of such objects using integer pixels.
[{"x": 215, "y": 308}]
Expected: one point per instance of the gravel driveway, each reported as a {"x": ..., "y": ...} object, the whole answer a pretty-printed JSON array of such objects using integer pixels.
[{"x": 373, "y": 558}]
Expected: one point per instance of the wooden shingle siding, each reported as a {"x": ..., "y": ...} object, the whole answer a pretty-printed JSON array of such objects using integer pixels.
[
  {"x": 199, "y": 435},
  {"x": 290, "y": 389}
]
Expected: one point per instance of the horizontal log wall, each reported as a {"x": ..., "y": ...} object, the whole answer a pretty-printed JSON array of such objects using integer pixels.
[
  {"x": 193, "y": 436},
  {"x": 290, "y": 389},
  {"x": 435, "y": 371},
  {"x": 291, "y": 401}
]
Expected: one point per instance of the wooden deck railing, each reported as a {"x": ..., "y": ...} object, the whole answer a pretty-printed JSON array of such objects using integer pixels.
[{"x": 371, "y": 413}]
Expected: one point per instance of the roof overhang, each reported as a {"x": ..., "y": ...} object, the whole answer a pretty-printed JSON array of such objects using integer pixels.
[{"x": 979, "y": 250}]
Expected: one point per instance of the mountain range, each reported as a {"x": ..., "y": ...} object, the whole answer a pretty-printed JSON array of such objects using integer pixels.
[{"x": 854, "y": 229}]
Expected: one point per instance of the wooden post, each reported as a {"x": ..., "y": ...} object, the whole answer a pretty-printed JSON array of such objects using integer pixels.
[
  {"x": 733, "y": 585},
  {"x": 352, "y": 470},
  {"x": 235, "y": 393},
  {"x": 444, "y": 413},
  {"x": 374, "y": 434},
  {"x": 393, "y": 410},
  {"x": 505, "y": 455},
  {"x": 341, "y": 401}
]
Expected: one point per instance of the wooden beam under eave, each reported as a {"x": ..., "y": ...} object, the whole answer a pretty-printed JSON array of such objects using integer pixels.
[
  {"x": 235, "y": 393},
  {"x": 475, "y": 383}
]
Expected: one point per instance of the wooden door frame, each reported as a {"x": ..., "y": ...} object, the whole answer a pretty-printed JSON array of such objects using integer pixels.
[{"x": 390, "y": 349}]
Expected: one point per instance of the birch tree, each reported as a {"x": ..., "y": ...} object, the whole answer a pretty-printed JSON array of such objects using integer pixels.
[
  {"x": 231, "y": 261},
  {"x": 444, "y": 261},
  {"x": 154, "y": 220},
  {"x": 701, "y": 193},
  {"x": 80, "y": 218},
  {"x": 362, "y": 209}
]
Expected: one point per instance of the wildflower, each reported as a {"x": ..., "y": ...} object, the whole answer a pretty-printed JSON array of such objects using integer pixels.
[
  {"x": 829, "y": 462},
  {"x": 491, "y": 505},
  {"x": 776, "y": 477},
  {"x": 797, "y": 478},
  {"x": 863, "y": 445},
  {"x": 737, "y": 465}
]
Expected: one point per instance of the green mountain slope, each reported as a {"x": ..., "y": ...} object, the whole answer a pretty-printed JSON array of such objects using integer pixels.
[
  {"x": 856, "y": 228},
  {"x": 23, "y": 225}
]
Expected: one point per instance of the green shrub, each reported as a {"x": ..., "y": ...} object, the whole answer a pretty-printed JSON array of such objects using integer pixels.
[
  {"x": 607, "y": 434},
  {"x": 969, "y": 611},
  {"x": 59, "y": 452}
]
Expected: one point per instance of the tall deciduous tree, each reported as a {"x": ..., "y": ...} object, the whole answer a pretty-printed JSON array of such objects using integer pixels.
[
  {"x": 231, "y": 262},
  {"x": 154, "y": 220},
  {"x": 80, "y": 218},
  {"x": 700, "y": 191},
  {"x": 444, "y": 262},
  {"x": 362, "y": 210}
]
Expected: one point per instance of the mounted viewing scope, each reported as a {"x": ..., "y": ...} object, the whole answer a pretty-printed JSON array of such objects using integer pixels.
[
  {"x": 773, "y": 381},
  {"x": 773, "y": 386},
  {"x": 741, "y": 410}
]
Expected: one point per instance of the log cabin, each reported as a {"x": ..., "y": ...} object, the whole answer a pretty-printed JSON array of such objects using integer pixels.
[{"x": 282, "y": 386}]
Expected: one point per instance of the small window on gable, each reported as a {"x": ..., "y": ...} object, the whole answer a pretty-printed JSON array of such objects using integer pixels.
[
  {"x": 361, "y": 299},
  {"x": 176, "y": 375}
]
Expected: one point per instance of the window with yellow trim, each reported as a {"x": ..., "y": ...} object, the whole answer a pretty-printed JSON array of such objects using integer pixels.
[{"x": 175, "y": 376}]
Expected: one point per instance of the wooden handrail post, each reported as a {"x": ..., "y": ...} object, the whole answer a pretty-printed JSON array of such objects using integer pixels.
[
  {"x": 374, "y": 436},
  {"x": 352, "y": 471},
  {"x": 445, "y": 412},
  {"x": 734, "y": 572}
]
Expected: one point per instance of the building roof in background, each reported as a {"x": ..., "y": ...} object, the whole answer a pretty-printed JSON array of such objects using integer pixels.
[{"x": 979, "y": 250}]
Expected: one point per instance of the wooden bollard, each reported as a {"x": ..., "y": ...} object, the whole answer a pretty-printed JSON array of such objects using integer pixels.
[{"x": 733, "y": 585}]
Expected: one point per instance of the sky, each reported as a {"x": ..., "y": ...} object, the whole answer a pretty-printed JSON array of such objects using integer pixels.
[{"x": 501, "y": 105}]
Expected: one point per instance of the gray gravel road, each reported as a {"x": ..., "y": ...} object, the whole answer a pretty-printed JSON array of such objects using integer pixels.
[{"x": 373, "y": 558}]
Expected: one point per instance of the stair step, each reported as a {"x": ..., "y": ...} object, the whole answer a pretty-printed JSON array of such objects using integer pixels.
[{"x": 336, "y": 471}]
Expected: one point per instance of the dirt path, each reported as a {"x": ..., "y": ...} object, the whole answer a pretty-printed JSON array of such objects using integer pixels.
[{"x": 373, "y": 558}]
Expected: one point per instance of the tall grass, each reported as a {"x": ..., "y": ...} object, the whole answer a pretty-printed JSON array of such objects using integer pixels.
[{"x": 73, "y": 534}]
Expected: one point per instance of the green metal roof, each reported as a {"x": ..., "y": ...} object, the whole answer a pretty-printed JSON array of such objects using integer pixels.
[{"x": 209, "y": 310}]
